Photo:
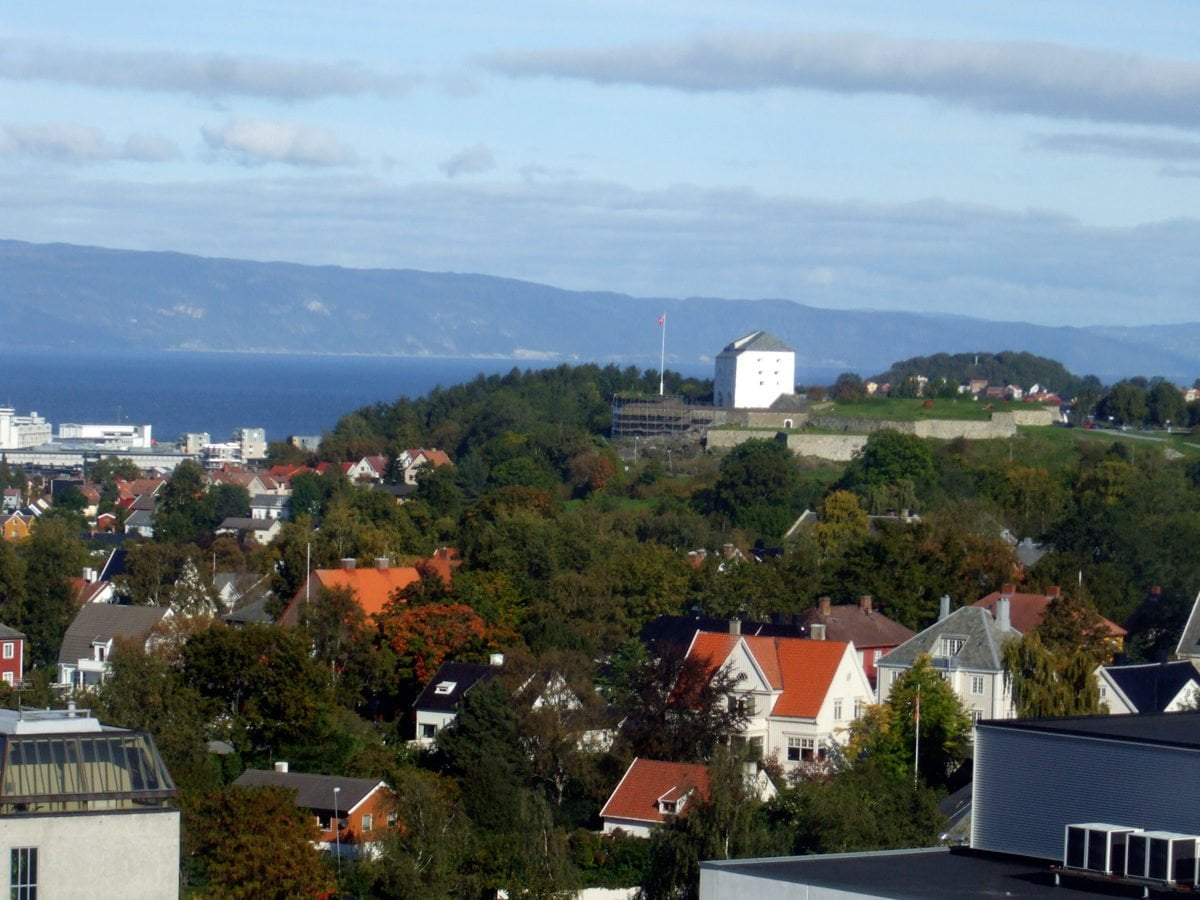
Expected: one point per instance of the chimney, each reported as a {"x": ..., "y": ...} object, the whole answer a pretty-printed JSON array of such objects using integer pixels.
[
  {"x": 944, "y": 607},
  {"x": 1002, "y": 614},
  {"x": 381, "y": 563},
  {"x": 825, "y": 606},
  {"x": 864, "y": 603},
  {"x": 348, "y": 564},
  {"x": 1007, "y": 590},
  {"x": 496, "y": 660},
  {"x": 1053, "y": 591},
  {"x": 817, "y": 631},
  {"x": 735, "y": 626},
  {"x": 281, "y": 766}
]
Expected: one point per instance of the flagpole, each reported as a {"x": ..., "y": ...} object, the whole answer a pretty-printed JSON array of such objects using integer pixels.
[
  {"x": 917, "y": 737},
  {"x": 662, "y": 354}
]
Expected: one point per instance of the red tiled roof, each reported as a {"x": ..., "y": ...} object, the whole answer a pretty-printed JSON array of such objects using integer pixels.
[
  {"x": 1026, "y": 611},
  {"x": 802, "y": 669},
  {"x": 646, "y": 781}
]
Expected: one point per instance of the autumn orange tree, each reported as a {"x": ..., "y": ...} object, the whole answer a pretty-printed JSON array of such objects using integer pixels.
[
  {"x": 423, "y": 637},
  {"x": 252, "y": 843}
]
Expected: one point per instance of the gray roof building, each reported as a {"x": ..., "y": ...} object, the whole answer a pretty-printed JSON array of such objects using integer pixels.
[
  {"x": 1189, "y": 641},
  {"x": 758, "y": 340},
  {"x": 88, "y": 642},
  {"x": 313, "y": 792}
]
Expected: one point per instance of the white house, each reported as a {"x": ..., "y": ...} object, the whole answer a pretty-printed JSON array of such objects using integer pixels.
[
  {"x": 799, "y": 695},
  {"x": 437, "y": 705},
  {"x": 754, "y": 371},
  {"x": 966, "y": 647},
  {"x": 87, "y": 809},
  {"x": 1150, "y": 687},
  {"x": 83, "y": 660}
]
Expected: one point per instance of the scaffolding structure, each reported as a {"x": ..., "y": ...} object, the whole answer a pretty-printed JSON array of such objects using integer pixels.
[{"x": 671, "y": 414}]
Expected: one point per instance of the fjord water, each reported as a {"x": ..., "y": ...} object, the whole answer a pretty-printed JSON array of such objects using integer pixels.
[{"x": 177, "y": 392}]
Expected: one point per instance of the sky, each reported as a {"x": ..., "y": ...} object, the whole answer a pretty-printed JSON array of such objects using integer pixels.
[{"x": 1026, "y": 161}]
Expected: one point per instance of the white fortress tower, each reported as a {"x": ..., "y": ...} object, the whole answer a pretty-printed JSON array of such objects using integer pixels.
[{"x": 754, "y": 371}]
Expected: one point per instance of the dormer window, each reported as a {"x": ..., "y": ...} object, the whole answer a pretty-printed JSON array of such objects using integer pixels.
[
  {"x": 445, "y": 687},
  {"x": 673, "y": 801},
  {"x": 99, "y": 651},
  {"x": 952, "y": 644}
]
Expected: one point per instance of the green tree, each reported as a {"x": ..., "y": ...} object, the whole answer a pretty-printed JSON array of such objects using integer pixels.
[
  {"x": 886, "y": 736},
  {"x": 1051, "y": 668},
  {"x": 1165, "y": 404},
  {"x": 890, "y": 460},
  {"x": 757, "y": 488},
  {"x": 843, "y": 520},
  {"x": 253, "y": 844},
  {"x": 52, "y": 554},
  {"x": 862, "y": 809},
  {"x": 273, "y": 693},
  {"x": 425, "y": 855},
  {"x": 678, "y": 707},
  {"x": 185, "y": 509}
]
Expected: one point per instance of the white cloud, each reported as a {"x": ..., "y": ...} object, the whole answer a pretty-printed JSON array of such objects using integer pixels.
[
  {"x": 208, "y": 76},
  {"x": 64, "y": 142},
  {"x": 1129, "y": 146},
  {"x": 257, "y": 141},
  {"x": 1038, "y": 78},
  {"x": 473, "y": 159}
]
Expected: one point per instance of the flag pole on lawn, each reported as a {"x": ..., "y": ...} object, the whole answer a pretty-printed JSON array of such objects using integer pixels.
[
  {"x": 662, "y": 354},
  {"x": 917, "y": 737}
]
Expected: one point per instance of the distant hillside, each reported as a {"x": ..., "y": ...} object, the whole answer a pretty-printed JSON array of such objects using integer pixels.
[
  {"x": 1023, "y": 369},
  {"x": 60, "y": 296}
]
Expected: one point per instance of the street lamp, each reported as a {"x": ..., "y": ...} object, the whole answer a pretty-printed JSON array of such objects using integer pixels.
[{"x": 337, "y": 842}]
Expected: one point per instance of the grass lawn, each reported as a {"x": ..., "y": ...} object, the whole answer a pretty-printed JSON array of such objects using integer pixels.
[{"x": 1052, "y": 446}]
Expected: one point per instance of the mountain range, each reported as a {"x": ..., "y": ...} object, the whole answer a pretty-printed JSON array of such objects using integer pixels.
[{"x": 62, "y": 297}]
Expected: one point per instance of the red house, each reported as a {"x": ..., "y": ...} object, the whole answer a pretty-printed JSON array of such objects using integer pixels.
[
  {"x": 12, "y": 655},
  {"x": 350, "y": 812}
]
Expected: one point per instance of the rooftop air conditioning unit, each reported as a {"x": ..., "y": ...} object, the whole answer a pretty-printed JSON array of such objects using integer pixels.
[
  {"x": 1096, "y": 847},
  {"x": 1162, "y": 856}
]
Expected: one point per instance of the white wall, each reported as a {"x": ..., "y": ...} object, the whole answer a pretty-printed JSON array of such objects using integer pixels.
[{"x": 89, "y": 856}]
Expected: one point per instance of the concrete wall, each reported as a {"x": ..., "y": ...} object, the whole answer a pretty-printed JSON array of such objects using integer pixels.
[
  {"x": 838, "y": 447},
  {"x": 88, "y": 855}
]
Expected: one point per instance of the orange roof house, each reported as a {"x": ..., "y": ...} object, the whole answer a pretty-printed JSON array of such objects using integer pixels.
[
  {"x": 652, "y": 792},
  {"x": 799, "y": 694},
  {"x": 371, "y": 586}
]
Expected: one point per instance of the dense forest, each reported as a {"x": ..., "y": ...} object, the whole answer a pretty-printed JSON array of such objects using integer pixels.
[{"x": 570, "y": 544}]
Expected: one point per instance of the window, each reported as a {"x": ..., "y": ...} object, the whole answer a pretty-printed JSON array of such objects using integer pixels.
[
  {"x": 793, "y": 749},
  {"x": 742, "y": 703},
  {"x": 445, "y": 687},
  {"x": 368, "y": 822},
  {"x": 976, "y": 684},
  {"x": 8, "y": 649},
  {"x": 23, "y": 875},
  {"x": 8, "y": 677},
  {"x": 875, "y": 654},
  {"x": 859, "y": 707},
  {"x": 837, "y": 710},
  {"x": 976, "y": 715},
  {"x": 951, "y": 645},
  {"x": 427, "y": 730}
]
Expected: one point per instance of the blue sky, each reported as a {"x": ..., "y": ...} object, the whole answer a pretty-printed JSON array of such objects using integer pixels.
[{"x": 1028, "y": 161}]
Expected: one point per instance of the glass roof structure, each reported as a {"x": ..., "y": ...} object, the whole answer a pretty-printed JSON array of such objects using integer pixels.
[{"x": 77, "y": 770}]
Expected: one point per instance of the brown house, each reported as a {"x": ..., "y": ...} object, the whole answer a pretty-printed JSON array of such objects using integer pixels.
[
  {"x": 350, "y": 812},
  {"x": 872, "y": 633}
]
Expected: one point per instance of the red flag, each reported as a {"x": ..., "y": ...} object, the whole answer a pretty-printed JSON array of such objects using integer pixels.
[{"x": 662, "y": 320}]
